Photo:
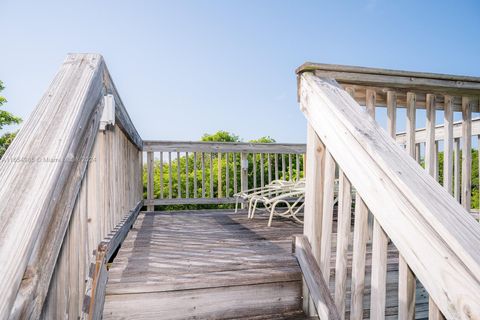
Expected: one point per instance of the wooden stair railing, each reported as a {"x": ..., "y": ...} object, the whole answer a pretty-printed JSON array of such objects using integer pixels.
[
  {"x": 200, "y": 180},
  {"x": 436, "y": 237},
  {"x": 71, "y": 174}
]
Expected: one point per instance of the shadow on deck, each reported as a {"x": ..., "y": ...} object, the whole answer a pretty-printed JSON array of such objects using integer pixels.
[{"x": 205, "y": 265}]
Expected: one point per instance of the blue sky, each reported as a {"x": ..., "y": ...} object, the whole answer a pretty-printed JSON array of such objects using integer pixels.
[{"x": 184, "y": 68}]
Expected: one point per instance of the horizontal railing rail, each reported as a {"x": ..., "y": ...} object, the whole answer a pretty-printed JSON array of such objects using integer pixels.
[
  {"x": 437, "y": 239},
  {"x": 179, "y": 172}
]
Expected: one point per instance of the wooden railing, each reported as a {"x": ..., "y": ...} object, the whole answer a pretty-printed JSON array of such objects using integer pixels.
[
  {"x": 212, "y": 172},
  {"x": 71, "y": 174},
  {"x": 435, "y": 236}
]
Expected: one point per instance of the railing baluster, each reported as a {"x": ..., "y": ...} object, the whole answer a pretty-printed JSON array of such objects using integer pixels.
[
  {"x": 327, "y": 217},
  {"x": 195, "y": 190},
  {"x": 179, "y": 179},
  {"x": 243, "y": 172},
  {"x": 254, "y": 157},
  {"x": 161, "y": 175},
  {"x": 170, "y": 191},
  {"x": 456, "y": 168},
  {"x": 360, "y": 238},
  {"x": 211, "y": 175},
  {"x": 433, "y": 311},
  {"x": 290, "y": 177},
  {"x": 262, "y": 171},
  {"x": 410, "y": 123},
  {"x": 430, "y": 130},
  {"x": 466, "y": 153},
  {"x": 186, "y": 176},
  {"x": 448, "y": 144},
  {"x": 276, "y": 166},
  {"x": 313, "y": 202},
  {"x": 391, "y": 113},
  {"x": 283, "y": 167},
  {"x": 219, "y": 175},
  {"x": 269, "y": 168},
  {"x": 379, "y": 272},
  {"x": 203, "y": 175},
  {"x": 406, "y": 278},
  {"x": 343, "y": 237},
  {"x": 235, "y": 181},
  {"x": 371, "y": 97},
  {"x": 227, "y": 175},
  {"x": 435, "y": 158},
  {"x": 150, "y": 178}
]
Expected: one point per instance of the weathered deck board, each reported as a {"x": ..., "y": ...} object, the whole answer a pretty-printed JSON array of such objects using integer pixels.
[
  {"x": 210, "y": 264},
  {"x": 220, "y": 265}
]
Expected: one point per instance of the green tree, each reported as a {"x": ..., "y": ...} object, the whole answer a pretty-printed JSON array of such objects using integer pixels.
[
  {"x": 220, "y": 136},
  {"x": 6, "y": 118}
]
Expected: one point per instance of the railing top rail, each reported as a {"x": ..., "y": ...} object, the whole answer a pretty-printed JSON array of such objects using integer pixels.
[
  {"x": 200, "y": 146},
  {"x": 393, "y": 78}
]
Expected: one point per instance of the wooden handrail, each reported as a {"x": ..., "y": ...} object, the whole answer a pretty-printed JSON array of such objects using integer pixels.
[
  {"x": 436, "y": 237},
  {"x": 200, "y": 146},
  {"x": 42, "y": 178}
]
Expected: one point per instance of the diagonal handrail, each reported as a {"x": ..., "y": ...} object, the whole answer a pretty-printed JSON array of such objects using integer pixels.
[{"x": 436, "y": 236}]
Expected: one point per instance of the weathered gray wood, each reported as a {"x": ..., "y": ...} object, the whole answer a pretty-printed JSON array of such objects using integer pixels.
[
  {"x": 170, "y": 176},
  {"x": 179, "y": 178},
  {"x": 95, "y": 291},
  {"x": 405, "y": 80},
  {"x": 391, "y": 113},
  {"x": 214, "y": 147},
  {"x": 211, "y": 175},
  {"x": 426, "y": 213},
  {"x": 314, "y": 279},
  {"x": 448, "y": 145},
  {"x": 360, "y": 238},
  {"x": 456, "y": 174},
  {"x": 187, "y": 176},
  {"x": 219, "y": 175},
  {"x": 150, "y": 178},
  {"x": 344, "y": 223},
  {"x": 173, "y": 264},
  {"x": 410, "y": 124},
  {"x": 203, "y": 176},
  {"x": 161, "y": 175},
  {"x": 195, "y": 186},
  {"x": 430, "y": 140},
  {"x": 31, "y": 193},
  {"x": 313, "y": 199},
  {"x": 466, "y": 196},
  {"x": 327, "y": 216},
  {"x": 420, "y": 133},
  {"x": 159, "y": 202}
]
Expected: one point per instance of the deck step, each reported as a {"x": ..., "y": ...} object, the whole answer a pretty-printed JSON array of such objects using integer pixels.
[{"x": 205, "y": 266}]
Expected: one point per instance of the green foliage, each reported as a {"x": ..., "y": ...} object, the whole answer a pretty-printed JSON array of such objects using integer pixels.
[
  {"x": 265, "y": 139},
  {"x": 220, "y": 136},
  {"x": 6, "y": 118},
  {"x": 205, "y": 187}
]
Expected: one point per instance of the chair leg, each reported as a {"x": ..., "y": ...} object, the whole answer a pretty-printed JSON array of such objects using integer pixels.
[
  {"x": 271, "y": 216},
  {"x": 253, "y": 209}
]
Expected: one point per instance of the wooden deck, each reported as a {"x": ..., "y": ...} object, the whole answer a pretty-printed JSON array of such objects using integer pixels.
[
  {"x": 220, "y": 265},
  {"x": 205, "y": 265}
]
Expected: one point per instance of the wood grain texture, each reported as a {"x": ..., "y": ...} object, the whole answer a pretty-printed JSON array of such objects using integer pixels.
[
  {"x": 174, "y": 264},
  {"x": 318, "y": 288},
  {"x": 44, "y": 189},
  {"x": 412, "y": 202}
]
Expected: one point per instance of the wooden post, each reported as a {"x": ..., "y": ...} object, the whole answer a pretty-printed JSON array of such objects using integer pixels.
[{"x": 313, "y": 199}]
